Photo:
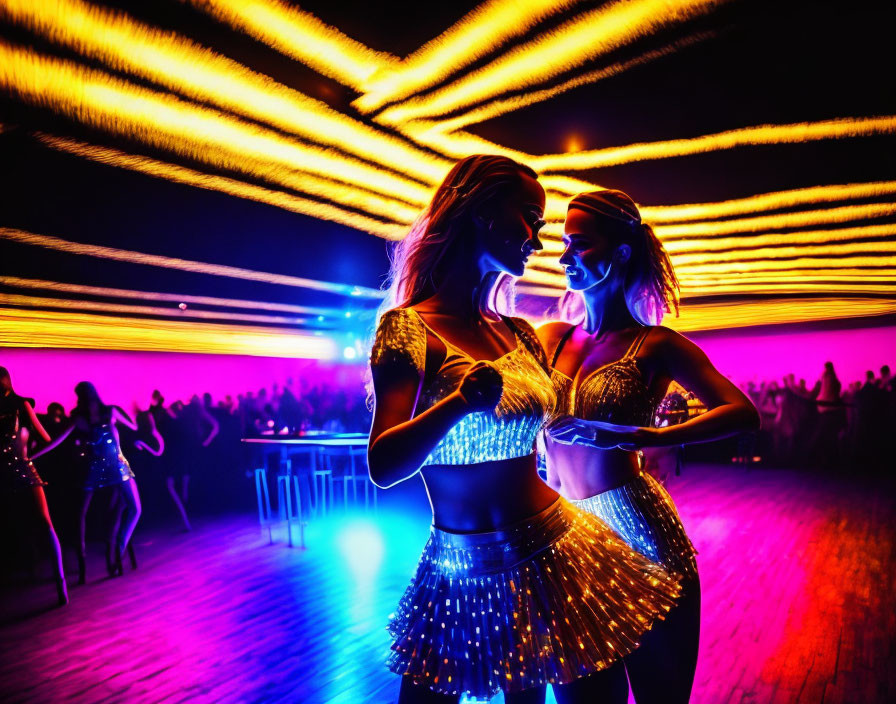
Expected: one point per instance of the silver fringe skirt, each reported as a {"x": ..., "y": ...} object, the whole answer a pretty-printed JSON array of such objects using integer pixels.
[
  {"x": 548, "y": 600},
  {"x": 644, "y": 515}
]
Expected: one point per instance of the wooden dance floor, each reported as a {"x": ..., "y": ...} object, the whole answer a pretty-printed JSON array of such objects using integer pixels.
[{"x": 798, "y": 603}]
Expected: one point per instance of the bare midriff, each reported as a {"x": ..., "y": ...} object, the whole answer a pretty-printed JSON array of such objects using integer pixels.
[
  {"x": 585, "y": 471},
  {"x": 487, "y": 496}
]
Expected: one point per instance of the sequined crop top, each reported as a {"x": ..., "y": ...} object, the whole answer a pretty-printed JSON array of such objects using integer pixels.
[
  {"x": 527, "y": 399},
  {"x": 614, "y": 393}
]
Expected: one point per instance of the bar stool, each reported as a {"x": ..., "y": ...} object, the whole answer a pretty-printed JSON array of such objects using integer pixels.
[
  {"x": 287, "y": 485},
  {"x": 339, "y": 462},
  {"x": 359, "y": 464},
  {"x": 264, "y": 500}
]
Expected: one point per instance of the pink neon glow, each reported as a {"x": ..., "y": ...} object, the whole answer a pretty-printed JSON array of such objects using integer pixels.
[
  {"x": 746, "y": 356},
  {"x": 123, "y": 378}
]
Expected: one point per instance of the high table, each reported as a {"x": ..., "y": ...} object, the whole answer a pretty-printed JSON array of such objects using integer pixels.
[{"x": 317, "y": 439}]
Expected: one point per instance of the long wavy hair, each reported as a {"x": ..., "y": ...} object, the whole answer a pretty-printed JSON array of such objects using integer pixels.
[
  {"x": 650, "y": 285},
  {"x": 419, "y": 264},
  {"x": 87, "y": 393}
]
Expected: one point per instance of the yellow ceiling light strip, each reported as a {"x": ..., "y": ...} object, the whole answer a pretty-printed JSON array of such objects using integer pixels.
[
  {"x": 779, "y": 239},
  {"x": 842, "y": 249},
  {"x": 13, "y": 299},
  {"x": 819, "y": 273},
  {"x": 579, "y": 40},
  {"x": 720, "y": 316},
  {"x": 240, "y": 189},
  {"x": 775, "y": 265},
  {"x": 775, "y": 311},
  {"x": 735, "y": 286},
  {"x": 767, "y": 201},
  {"x": 747, "y": 136},
  {"x": 478, "y": 34},
  {"x": 124, "y": 255},
  {"x": 125, "y": 109},
  {"x": 425, "y": 130},
  {"x": 106, "y": 292},
  {"x": 65, "y": 329},
  {"x": 301, "y": 36},
  {"x": 820, "y": 276},
  {"x": 200, "y": 74},
  {"x": 846, "y": 213}
]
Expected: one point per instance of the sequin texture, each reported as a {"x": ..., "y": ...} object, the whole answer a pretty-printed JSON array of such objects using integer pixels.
[
  {"x": 17, "y": 472},
  {"x": 641, "y": 511},
  {"x": 551, "y": 599},
  {"x": 644, "y": 515},
  {"x": 507, "y": 432},
  {"x": 100, "y": 457}
]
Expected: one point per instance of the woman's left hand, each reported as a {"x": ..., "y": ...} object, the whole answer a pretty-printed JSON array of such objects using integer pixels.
[{"x": 568, "y": 430}]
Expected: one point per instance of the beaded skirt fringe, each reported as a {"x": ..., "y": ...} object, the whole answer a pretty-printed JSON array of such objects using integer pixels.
[
  {"x": 549, "y": 600},
  {"x": 644, "y": 515}
]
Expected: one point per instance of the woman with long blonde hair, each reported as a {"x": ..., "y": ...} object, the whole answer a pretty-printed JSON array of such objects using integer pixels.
[{"x": 516, "y": 589}]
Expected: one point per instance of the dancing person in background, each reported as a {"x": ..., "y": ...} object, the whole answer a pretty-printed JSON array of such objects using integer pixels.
[
  {"x": 612, "y": 369},
  {"x": 102, "y": 464},
  {"x": 19, "y": 474},
  {"x": 515, "y": 588}
]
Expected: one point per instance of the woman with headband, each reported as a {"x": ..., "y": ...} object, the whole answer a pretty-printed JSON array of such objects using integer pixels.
[
  {"x": 611, "y": 369},
  {"x": 516, "y": 589}
]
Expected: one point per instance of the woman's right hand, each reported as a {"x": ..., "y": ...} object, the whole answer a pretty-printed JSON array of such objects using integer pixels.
[{"x": 482, "y": 387}]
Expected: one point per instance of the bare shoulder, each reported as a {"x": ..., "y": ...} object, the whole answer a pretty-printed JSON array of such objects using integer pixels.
[{"x": 671, "y": 343}]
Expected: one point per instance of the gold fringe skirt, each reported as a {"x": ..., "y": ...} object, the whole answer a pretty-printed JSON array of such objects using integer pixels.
[
  {"x": 548, "y": 600},
  {"x": 644, "y": 515}
]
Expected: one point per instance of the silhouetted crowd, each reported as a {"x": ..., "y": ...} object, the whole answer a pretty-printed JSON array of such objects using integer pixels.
[
  {"x": 189, "y": 453},
  {"x": 827, "y": 425}
]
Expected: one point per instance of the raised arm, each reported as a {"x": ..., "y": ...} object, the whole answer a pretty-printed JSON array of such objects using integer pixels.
[
  {"x": 35, "y": 423},
  {"x": 160, "y": 441},
  {"x": 399, "y": 441},
  {"x": 213, "y": 425},
  {"x": 119, "y": 416},
  {"x": 55, "y": 443}
]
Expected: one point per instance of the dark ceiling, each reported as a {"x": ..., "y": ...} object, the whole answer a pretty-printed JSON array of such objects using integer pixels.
[{"x": 754, "y": 63}]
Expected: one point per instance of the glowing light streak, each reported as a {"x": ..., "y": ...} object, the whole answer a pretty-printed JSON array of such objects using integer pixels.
[
  {"x": 302, "y": 36},
  {"x": 779, "y": 239},
  {"x": 747, "y": 136},
  {"x": 171, "y": 312},
  {"x": 769, "y": 265},
  {"x": 824, "y": 278},
  {"x": 843, "y": 249},
  {"x": 17, "y": 282},
  {"x": 36, "y": 328},
  {"x": 772, "y": 311},
  {"x": 124, "y": 255},
  {"x": 425, "y": 130},
  {"x": 582, "y": 39},
  {"x": 767, "y": 201},
  {"x": 846, "y": 213},
  {"x": 116, "y": 106},
  {"x": 201, "y": 74},
  {"x": 240, "y": 189},
  {"x": 719, "y": 316},
  {"x": 478, "y": 34}
]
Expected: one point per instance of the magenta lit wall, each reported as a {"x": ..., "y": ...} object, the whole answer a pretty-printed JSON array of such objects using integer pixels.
[
  {"x": 125, "y": 377},
  {"x": 745, "y": 356}
]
